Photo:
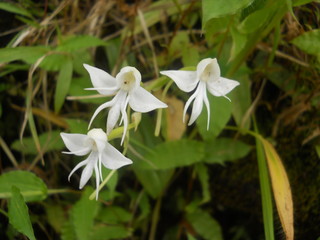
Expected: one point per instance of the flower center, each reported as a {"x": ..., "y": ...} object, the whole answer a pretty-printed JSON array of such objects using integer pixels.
[
  {"x": 128, "y": 81},
  {"x": 96, "y": 134},
  {"x": 205, "y": 76}
]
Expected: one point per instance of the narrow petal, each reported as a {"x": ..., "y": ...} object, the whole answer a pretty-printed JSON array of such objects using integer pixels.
[
  {"x": 104, "y": 82},
  {"x": 99, "y": 109},
  {"x": 191, "y": 98},
  {"x": 222, "y": 86},
  {"x": 96, "y": 171},
  {"x": 79, "y": 165},
  {"x": 87, "y": 171},
  {"x": 107, "y": 91},
  {"x": 113, "y": 117},
  {"x": 206, "y": 101},
  {"x": 197, "y": 104},
  {"x": 76, "y": 143},
  {"x": 208, "y": 70},
  {"x": 113, "y": 159},
  {"x": 185, "y": 80},
  {"x": 140, "y": 100},
  {"x": 125, "y": 122}
]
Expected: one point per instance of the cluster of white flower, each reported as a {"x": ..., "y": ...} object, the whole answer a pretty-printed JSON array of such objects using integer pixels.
[{"x": 127, "y": 90}]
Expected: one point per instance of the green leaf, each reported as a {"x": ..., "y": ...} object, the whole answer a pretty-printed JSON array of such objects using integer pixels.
[
  {"x": 19, "y": 215},
  {"x": 225, "y": 149},
  {"x": 110, "y": 232},
  {"x": 13, "y": 8},
  {"x": 55, "y": 61},
  {"x": 49, "y": 141},
  {"x": 77, "y": 125},
  {"x": 220, "y": 113},
  {"x": 55, "y": 216},
  {"x": 75, "y": 43},
  {"x": 206, "y": 226},
  {"x": 63, "y": 84},
  {"x": 241, "y": 98},
  {"x": 255, "y": 21},
  {"x": 174, "y": 154},
  {"x": 83, "y": 213},
  {"x": 154, "y": 182},
  {"x": 266, "y": 196},
  {"x": 309, "y": 42},
  {"x": 218, "y": 8},
  {"x": 203, "y": 175},
  {"x": 67, "y": 231},
  {"x": 26, "y": 54},
  {"x": 114, "y": 215},
  {"x": 32, "y": 187}
]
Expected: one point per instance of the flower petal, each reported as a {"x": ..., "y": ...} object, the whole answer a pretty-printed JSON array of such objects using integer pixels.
[
  {"x": 79, "y": 165},
  {"x": 128, "y": 78},
  {"x": 87, "y": 171},
  {"x": 222, "y": 86},
  {"x": 185, "y": 80},
  {"x": 99, "y": 109},
  {"x": 206, "y": 101},
  {"x": 113, "y": 159},
  {"x": 198, "y": 103},
  {"x": 140, "y": 100},
  {"x": 76, "y": 143},
  {"x": 125, "y": 121},
  {"x": 113, "y": 117},
  {"x": 208, "y": 69},
  {"x": 104, "y": 82},
  {"x": 96, "y": 171}
]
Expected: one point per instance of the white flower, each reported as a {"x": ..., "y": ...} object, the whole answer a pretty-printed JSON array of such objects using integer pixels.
[
  {"x": 127, "y": 90},
  {"x": 207, "y": 76},
  {"x": 101, "y": 152}
]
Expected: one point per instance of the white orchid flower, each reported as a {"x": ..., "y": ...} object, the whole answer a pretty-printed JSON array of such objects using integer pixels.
[
  {"x": 101, "y": 152},
  {"x": 207, "y": 76},
  {"x": 127, "y": 90}
]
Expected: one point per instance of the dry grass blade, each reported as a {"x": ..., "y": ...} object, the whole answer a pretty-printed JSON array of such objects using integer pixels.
[{"x": 281, "y": 189}]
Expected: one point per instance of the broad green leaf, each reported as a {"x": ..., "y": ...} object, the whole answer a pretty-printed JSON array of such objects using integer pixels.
[
  {"x": 63, "y": 84},
  {"x": 170, "y": 155},
  {"x": 154, "y": 182},
  {"x": 309, "y": 42},
  {"x": 55, "y": 61},
  {"x": 301, "y": 2},
  {"x": 317, "y": 148},
  {"x": 281, "y": 188},
  {"x": 14, "y": 8},
  {"x": 75, "y": 43},
  {"x": 83, "y": 214},
  {"x": 203, "y": 175},
  {"x": 110, "y": 232},
  {"x": 56, "y": 216},
  {"x": 220, "y": 113},
  {"x": 19, "y": 215},
  {"x": 206, "y": 226},
  {"x": 32, "y": 187},
  {"x": 67, "y": 231},
  {"x": 190, "y": 56},
  {"x": 218, "y": 8},
  {"x": 254, "y": 6},
  {"x": 238, "y": 42},
  {"x": 26, "y": 54},
  {"x": 255, "y": 21},
  {"x": 49, "y": 141},
  {"x": 114, "y": 215},
  {"x": 221, "y": 150}
]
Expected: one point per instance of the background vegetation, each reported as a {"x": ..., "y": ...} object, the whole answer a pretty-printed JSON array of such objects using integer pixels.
[{"x": 185, "y": 183}]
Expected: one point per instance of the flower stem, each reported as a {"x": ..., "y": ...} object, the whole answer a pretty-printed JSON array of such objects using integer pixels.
[{"x": 93, "y": 195}]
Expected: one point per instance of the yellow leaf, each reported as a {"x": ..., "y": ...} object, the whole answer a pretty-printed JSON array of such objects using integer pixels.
[
  {"x": 281, "y": 189},
  {"x": 175, "y": 125}
]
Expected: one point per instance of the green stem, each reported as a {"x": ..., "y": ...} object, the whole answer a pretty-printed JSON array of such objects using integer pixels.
[{"x": 155, "y": 219}]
